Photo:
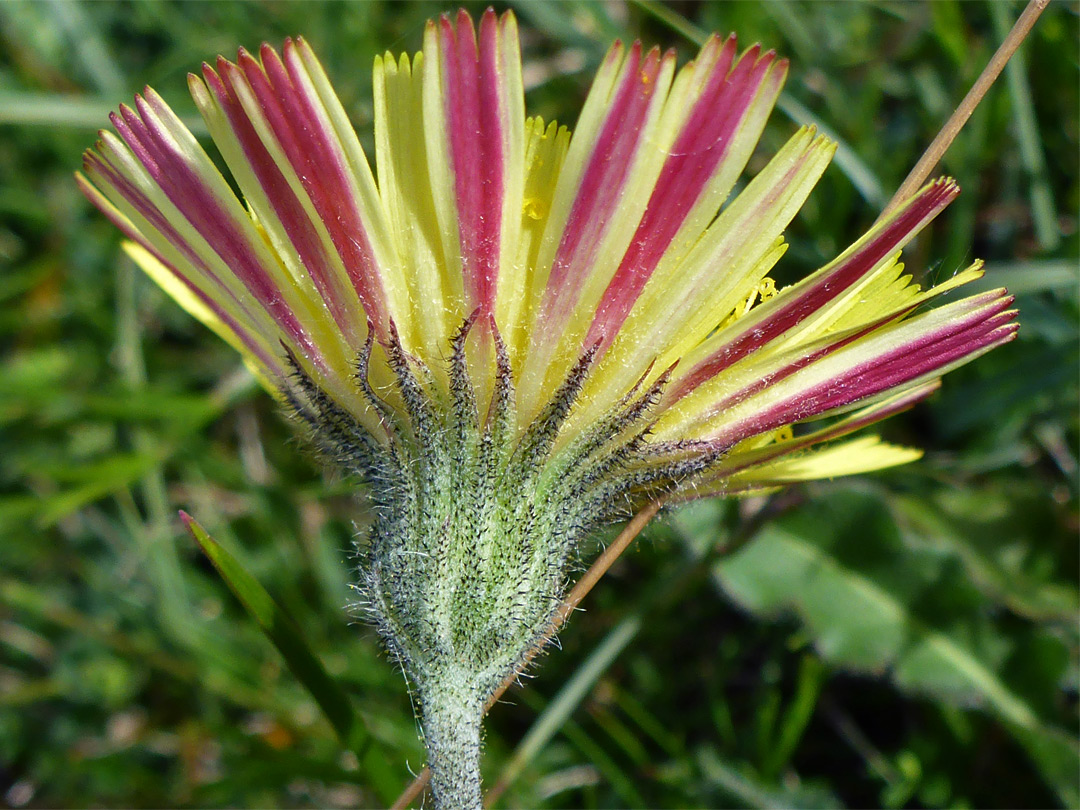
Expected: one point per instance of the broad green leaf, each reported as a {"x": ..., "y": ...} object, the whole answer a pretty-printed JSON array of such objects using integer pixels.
[
  {"x": 301, "y": 660},
  {"x": 986, "y": 541},
  {"x": 884, "y": 608}
]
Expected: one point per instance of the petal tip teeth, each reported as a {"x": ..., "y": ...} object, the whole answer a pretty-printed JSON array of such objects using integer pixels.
[{"x": 947, "y": 185}]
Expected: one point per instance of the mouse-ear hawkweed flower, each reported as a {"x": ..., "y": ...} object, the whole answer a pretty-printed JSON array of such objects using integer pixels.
[{"x": 512, "y": 334}]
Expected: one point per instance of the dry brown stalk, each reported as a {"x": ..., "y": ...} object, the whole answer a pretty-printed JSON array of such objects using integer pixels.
[{"x": 940, "y": 145}]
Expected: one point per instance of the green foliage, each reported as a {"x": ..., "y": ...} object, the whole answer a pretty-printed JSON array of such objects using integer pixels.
[
  {"x": 302, "y": 662},
  {"x": 905, "y": 640}
]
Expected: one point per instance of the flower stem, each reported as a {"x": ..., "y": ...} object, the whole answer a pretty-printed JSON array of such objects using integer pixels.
[
  {"x": 573, "y": 599},
  {"x": 451, "y": 721}
]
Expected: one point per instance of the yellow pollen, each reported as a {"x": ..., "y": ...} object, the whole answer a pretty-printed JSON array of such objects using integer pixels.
[
  {"x": 533, "y": 208},
  {"x": 765, "y": 290}
]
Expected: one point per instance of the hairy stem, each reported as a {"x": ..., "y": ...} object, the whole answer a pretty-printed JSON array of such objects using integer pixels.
[
  {"x": 573, "y": 599},
  {"x": 451, "y": 718}
]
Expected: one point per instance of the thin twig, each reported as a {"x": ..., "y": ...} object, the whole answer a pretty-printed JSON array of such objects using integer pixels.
[
  {"x": 586, "y": 583},
  {"x": 956, "y": 121},
  {"x": 569, "y": 605}
]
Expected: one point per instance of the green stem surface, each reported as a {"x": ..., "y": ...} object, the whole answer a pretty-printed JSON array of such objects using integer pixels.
[{"x": 451, "y": 721}]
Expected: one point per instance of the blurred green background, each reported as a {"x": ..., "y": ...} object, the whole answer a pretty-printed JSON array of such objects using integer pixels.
[{"x": 907, "y": 639}]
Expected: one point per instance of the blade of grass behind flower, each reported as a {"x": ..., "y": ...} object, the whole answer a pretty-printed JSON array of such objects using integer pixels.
[
  {"x": 1027, "y": 134},
  {"x": 796, "y": 717},
  {"x": 68, "y": 110},
  {"x": 150, "y": 526},
  {"x": 302, "y": 662},
  {"x": 558, "y": 711}
]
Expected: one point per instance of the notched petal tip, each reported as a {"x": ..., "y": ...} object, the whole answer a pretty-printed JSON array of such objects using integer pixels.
[
  {"x": 944, "y": 184},
  {"x": 198, "y": 85},
  {"x": 508, "y": 23},
  {"x": 753, "y": 53},
  {"x": 269, "y": 57}
]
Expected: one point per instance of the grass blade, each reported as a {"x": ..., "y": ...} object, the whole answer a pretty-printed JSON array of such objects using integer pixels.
[
  {"x": 573, "y": 692},
  {"x": 302, "y": 662}
]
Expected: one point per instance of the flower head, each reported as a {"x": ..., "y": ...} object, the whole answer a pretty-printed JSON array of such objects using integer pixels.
[
  {"x": 604, "y": 246},
  {"x": 511, "y": 332}
]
